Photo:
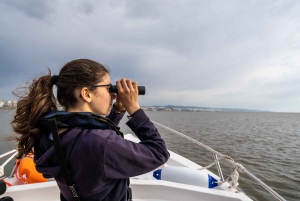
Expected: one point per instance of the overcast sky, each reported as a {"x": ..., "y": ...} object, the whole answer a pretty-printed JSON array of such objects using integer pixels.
[{"x": 216, "y": 53}]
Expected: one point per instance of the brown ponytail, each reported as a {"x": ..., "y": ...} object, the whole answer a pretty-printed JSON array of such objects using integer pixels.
[{"x": 34, "y": 100}]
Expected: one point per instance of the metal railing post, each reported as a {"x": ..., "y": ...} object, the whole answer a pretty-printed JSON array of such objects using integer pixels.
[{"x": 218, "y": 167}]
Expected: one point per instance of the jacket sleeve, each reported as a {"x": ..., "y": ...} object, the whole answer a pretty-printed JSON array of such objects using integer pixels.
[
  {"x": 123, "y": 158},
  {"x": 115, "y": 117}
]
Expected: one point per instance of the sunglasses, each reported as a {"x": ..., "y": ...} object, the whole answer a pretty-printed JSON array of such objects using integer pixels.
[{"x": 104, "y": 85}]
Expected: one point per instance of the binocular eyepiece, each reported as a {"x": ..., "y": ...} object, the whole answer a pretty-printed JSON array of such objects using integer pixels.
[{"x": 113, "y": 89}]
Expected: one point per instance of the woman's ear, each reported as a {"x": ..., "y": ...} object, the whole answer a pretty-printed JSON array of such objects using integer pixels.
[{"x": 85, "y": 94}]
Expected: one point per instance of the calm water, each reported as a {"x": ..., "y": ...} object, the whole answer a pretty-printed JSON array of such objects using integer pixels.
[{"x": 267, "y": 144}]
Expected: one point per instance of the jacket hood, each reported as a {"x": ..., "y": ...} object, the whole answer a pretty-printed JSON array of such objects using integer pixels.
[{"x": 44, "y": 153}]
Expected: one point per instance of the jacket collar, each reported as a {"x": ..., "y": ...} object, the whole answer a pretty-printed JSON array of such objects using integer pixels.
[{"x": 78, "y": 119}]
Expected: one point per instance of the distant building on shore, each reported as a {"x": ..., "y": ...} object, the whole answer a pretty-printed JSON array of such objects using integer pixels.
[{"x": 8, "y": 104}]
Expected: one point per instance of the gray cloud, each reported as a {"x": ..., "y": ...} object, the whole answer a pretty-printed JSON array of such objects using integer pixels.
[
  {"x": 210, "y": 53},
  {"x": 33, "y": 8}
]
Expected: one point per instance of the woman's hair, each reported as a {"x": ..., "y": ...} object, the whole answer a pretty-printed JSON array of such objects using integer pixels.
[{"x": 38, "y": 98}]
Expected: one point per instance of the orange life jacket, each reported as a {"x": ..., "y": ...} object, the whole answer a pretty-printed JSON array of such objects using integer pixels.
[{"x": 26, "y": 171}]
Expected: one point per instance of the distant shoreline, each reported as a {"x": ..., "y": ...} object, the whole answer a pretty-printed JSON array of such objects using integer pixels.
[
  {"x": 8, "y": 108},
  {"x": 197, "y": 109}
]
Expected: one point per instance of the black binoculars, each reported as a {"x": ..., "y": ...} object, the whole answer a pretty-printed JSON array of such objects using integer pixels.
[{"x": 113, "y": 89}]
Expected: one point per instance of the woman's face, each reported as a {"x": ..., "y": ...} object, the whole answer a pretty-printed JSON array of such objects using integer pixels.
[{"x": 102, "y": 100}]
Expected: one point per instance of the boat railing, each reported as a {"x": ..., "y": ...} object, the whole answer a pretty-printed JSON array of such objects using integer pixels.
[
  {"x": 13, "y": 153},
  {"x": 218, "y": 156}
]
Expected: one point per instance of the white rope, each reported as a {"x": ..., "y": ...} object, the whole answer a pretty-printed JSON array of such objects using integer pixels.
[
  {"x": 215, "y": 161},
  {"x": 234, "y": 179},
  {"x": 234, "y": 175},
  {"x": 5, "y": 163},
  {"x": 240, "y": 167}
]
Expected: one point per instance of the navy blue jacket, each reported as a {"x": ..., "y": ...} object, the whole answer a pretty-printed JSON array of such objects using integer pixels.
[{"x": 100, "y": 161}]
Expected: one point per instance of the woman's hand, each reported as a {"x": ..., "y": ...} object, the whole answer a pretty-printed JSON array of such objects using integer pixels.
[
  {"x": 128, "y": 95},
  {"x": 118, "y": 107}
]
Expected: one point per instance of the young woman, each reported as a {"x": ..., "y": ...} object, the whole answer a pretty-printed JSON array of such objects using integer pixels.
[{"x": 99, "y": 160}]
